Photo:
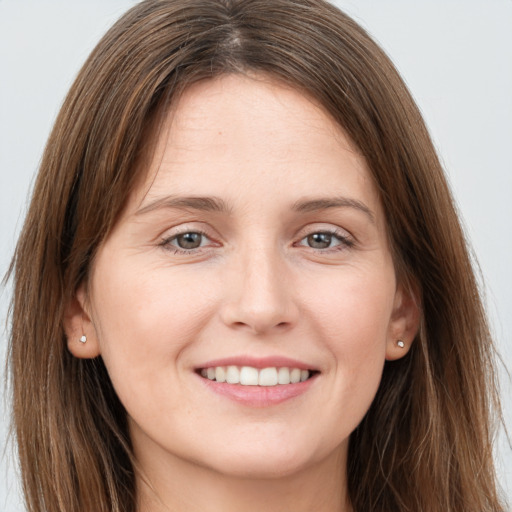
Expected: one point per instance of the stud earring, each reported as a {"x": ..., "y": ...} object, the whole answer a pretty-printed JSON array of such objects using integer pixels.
[
  {"x": 83, "y": 339},
  {"x": 400, "y": 343}
]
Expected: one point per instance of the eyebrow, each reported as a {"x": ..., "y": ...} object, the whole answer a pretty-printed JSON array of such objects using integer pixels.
[
  {"x": 315, "y": 205},
  {"x": 206, "y": 204},
  {"x": 216, "y": 204}
]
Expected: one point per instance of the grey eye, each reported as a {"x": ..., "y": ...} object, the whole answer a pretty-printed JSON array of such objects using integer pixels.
[
  {"x": 319, "y": 240},
  {"x": 189, "y": 240}
]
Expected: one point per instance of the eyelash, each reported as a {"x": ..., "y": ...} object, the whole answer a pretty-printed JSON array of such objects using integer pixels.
[
  {"x": 166, "y": 243},
  {"x": 345, "y": 242}
]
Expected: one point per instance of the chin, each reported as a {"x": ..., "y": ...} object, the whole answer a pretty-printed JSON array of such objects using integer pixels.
[
  {"x": 262, "y": 467},
  {"x": 264, "y": 462}
]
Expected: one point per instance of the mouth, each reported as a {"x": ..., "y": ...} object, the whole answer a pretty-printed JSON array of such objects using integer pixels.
[{"x": 251, "y": 376}]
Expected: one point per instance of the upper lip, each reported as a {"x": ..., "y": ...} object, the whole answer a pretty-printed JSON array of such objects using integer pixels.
[{"x": 258, "y": 362}]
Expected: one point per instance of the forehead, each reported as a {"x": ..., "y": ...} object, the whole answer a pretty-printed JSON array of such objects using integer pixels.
[{"x": 256, "y": 131}]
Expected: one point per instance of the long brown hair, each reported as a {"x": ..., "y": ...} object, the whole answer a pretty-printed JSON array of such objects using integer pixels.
[{"x": 426, "y": 442}]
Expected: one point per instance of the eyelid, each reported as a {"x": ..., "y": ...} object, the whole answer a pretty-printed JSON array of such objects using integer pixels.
[
  {"x": 346, "y": 239},
  {"x": 188, "y": 227},
  {"x": 182, "y": 229},
  {"x": 324, "y": 227}
]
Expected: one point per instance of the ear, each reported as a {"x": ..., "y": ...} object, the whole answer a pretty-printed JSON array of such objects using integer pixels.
[
  {"x": 77, "y": 323},
  {"x": 404, "y": 322}
]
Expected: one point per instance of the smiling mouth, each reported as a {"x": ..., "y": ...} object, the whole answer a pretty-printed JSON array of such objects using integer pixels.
[{"x": 250, "y": 376}]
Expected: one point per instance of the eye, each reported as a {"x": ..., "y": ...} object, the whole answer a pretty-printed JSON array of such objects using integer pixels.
[
  {"x": 326, "y": 240},
  {"x": 186, "y": 242},
  {"x": 319, "y": 240},
  {"x": 189, "y": 240}
]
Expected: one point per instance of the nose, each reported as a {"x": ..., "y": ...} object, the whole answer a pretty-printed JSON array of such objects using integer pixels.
[{"x": 259, "y": 293}]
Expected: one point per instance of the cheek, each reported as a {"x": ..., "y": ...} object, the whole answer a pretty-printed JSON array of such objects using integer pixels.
[
  {"x": 353, "y": 318},
  {"x": 353, "y": 307},
  {"x": 144, "y": 318}
]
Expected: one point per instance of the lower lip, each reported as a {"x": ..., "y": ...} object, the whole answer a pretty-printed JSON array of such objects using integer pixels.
[{"x": 259, "y": 396}]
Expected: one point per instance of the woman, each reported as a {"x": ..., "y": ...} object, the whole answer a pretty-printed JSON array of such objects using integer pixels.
[{"x": 242, "y": 284}]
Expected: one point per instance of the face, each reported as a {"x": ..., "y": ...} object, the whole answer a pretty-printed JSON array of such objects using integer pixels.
[{"x": 246, "y": 301}]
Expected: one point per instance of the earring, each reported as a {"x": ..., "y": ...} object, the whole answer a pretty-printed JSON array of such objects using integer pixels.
[
  {"x": 83, "y": 339},
  {"x": 400, "y": 343}
]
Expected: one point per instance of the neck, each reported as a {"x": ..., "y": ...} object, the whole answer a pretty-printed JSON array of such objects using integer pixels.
[{"x": 178, "y": 485}]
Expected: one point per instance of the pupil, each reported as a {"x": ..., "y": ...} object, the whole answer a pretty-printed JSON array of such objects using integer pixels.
[
  {"x": 189, "y": 240},
  {"x": 319, "y": 240}
]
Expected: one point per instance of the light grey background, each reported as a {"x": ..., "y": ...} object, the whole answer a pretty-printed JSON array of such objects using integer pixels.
[{"x": 455, "y": 55}]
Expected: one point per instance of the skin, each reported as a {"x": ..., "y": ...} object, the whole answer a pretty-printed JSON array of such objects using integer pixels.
[{"x": 259, "y": 285}]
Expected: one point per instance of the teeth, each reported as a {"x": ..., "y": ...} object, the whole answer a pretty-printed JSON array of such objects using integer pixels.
[
  {"x": 268, "y": 377},
  {"x": 283, "y": 376},
  {"x": 249, "y": 376},
  {"x": 295, "y": 375},
  {"x": 232, "y": 375},
  {"x": 219, "y": 374}
]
